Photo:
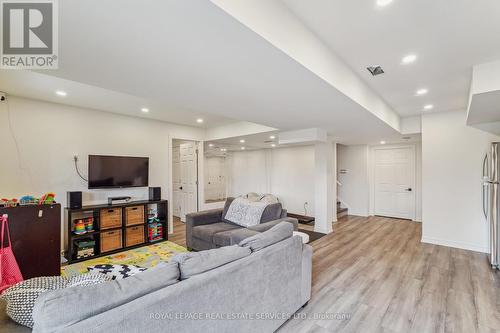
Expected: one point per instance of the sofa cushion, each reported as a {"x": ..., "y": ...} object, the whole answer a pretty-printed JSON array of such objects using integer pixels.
[
  {"x": 193, "y": 263},
  {"x": 271, "y": 212},
  {"x": 207, "y": 231},
  {"x": 274, "y": 235},
  {"x": 232, "y": 237},
  {"x": 56, "y": 310},
  {"x": 268, "y": 225}
]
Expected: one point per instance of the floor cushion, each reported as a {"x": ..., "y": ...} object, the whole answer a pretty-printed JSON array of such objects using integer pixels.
[
  {"x": 116, "y": 272},
  {"x": 21, "y": 297}
]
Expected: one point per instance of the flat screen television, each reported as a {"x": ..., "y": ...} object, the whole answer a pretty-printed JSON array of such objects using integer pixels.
[{"x": 118, "y": 171}]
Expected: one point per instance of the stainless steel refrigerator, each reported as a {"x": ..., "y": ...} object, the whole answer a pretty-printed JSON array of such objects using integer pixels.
[{"x": 491, "y": 200}]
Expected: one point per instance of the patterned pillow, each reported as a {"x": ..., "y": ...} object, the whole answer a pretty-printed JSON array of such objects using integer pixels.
[
  {"x": 21, "y": 297},
  {"x": 117, "y": 272}
]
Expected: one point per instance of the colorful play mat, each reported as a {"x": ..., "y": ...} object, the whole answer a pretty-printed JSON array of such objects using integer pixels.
[{"x": 146, "y": 256}]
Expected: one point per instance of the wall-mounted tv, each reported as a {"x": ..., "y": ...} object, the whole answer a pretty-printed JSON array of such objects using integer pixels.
[{"x": 118, "y": 171}]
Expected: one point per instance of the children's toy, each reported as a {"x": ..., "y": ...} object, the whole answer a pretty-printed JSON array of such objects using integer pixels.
[
  {"x": 8, "y": 202},
  {"x": 47, "y": 199},
  {"x": 79, "y": 227},
  {"x": 28, "y": 200},
  {"x": 155, "y": 228},
  {"x": 89, "y": 224},
  {"x": 84, "y": 248}
]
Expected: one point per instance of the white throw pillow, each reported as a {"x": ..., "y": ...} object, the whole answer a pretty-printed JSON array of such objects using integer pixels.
[{"x": 244, "y": 212}]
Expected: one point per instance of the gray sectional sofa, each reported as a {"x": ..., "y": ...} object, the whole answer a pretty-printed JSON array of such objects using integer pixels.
[
  {"x": 209, "y": 229},
  {"x": 249, "y": 288}
]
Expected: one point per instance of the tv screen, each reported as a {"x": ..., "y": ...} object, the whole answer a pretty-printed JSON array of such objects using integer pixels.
[{"x": 118, "y": 171}]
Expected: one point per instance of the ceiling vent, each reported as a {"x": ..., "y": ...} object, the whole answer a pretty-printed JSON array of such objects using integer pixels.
[{"x": 375, "y": 70}]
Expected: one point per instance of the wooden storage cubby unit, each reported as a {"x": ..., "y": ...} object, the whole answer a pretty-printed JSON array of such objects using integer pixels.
[{"x": 114, "y": 228}]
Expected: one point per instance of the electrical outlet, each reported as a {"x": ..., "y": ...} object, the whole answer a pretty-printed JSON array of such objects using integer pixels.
[{"x": 75, "y": 157}]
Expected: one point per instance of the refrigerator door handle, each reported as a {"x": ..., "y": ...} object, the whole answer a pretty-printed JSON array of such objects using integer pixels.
[
  {"x": 484, "y": 201},
  {"x": 486, "y": 174}
]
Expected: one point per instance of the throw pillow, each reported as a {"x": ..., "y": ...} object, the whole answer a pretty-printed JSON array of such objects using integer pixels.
[
  {"x": 117, "y": 272},
  {"x": 252, "y": 196},
  {"x": 21, "y": 298},
  {"x": 269, "y": 199}
]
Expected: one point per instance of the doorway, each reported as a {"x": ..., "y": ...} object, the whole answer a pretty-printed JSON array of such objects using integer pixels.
[
  {"x": 184, "y": 178},
  {"x": 394, "y": 182}
]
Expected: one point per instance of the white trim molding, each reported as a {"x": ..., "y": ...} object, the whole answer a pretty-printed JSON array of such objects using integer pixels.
[{"x": 455, "y": 244}]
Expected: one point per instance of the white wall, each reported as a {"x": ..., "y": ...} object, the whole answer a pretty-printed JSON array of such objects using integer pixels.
[
  {"x": 355, "y": 189},
  {"x": 451, "y": 179},
  {"x": 285, "y": 172},
  {"x": 48, "y": 135}
]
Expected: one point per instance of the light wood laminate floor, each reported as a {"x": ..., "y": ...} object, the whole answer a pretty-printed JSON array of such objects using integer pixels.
[
  {"x": 374, "y": 275},
  {"x": 179, "y": 235}
]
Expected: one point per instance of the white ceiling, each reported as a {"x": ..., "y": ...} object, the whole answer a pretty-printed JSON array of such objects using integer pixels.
[
  {"x": 252, "y": 142},
  {"x": 43, "y": 87},
  {"x": 190, "y": 59},
  {"x": 191, "y": 55},
  {"x": 449, "y": 37},
  {"x": 264, "y": 141}
]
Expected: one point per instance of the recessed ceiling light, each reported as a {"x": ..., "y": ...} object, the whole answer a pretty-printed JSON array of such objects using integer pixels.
[
  {"x": 199, "y": 120},
  {"x": 210, "y": 144},
  {"x": 242, "y": 141},
  {"x": 382, "y": 142},
  {"x": 410, "y": 58},
  {"x": 421, "y": 92},
  {"x": 145, "y": 110},
  {"x": 61, "y": 93},
  {"x": 242, "y": 148},
  {"x": 383, "y": 3},
  {"x": 223, "y": 149},
  {"x": 272, "y": 137},
  {"x": 273, "y": 145},
  {"x": 428, "y": 107}
]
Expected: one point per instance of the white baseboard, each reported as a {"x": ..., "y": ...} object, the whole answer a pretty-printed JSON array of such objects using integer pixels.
[
  {"x": 362, "y": 214},
  {"x": 455, "y": 244}
]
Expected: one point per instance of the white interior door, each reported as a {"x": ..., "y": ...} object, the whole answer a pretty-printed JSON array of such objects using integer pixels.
[
  {"x": 395, "y": 182},
  {"x": 176, "y": 181},
  {"x": 188, "y": 187}
]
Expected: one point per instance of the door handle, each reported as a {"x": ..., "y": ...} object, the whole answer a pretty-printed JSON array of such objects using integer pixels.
[
  {"x": 485, "y": 167},
  {"x": 484, "y": 200},
  {"x": 409, "y": 189},
  {"x": 180, "y": 188}
]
